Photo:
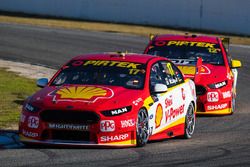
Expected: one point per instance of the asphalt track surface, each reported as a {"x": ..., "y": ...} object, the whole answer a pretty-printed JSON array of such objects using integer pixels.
[{"x": 218, "y": 141}]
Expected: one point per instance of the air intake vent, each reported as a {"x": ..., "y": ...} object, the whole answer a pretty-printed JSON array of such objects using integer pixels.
[
  {"x": 200, "y": 90},
  {"x": 73, "y": 117},
  {"x": 66, "y": 135}
]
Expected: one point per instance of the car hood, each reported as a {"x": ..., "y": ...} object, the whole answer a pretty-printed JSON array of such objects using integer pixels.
[
  {"x": 209, "y": 73},
  {"x": 84, "y": 97}
]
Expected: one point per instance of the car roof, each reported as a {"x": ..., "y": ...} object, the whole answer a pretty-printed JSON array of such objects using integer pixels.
[
  {"x": 194, "y": 38},
  {"x": 114, "y": 56}
]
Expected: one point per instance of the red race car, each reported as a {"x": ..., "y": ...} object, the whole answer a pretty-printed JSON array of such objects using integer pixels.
[
  {"x": 216, "y": 86},
  {"x": 111, "y": 99}
]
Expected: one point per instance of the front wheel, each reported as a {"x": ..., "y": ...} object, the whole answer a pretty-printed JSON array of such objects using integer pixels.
[
  {"x": 142, "y": 128},
  {"x": 189, "y": 122}
]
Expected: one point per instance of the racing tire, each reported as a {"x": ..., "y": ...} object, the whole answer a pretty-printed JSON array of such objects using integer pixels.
[
  {"x": 190, "y": 119},
  {"x": 142, "y": 128}
]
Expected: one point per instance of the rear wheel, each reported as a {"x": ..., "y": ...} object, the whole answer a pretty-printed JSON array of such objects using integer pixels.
[
  {"x": 142, "y": 128},
  {"x": 189, "y": 122}
]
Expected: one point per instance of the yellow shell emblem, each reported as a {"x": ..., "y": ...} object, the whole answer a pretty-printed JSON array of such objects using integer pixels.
[
  {"x": 158, "y": 116},
  {"x": 81, "y": 92},
  {"x": 85, "y": 93},
  {"x": 191, "y": 70}
]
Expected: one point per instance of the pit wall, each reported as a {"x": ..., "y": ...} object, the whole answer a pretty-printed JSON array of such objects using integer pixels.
[{"x": 227, "y": 16}]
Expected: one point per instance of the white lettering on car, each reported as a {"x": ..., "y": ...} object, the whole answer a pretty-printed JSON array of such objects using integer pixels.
[
  {"x": 107, "y": 126},
  {"x": 212, "y": 96},
  {"x": 217, "y": 107},
  {"x": 226, "y": 94},
  {"x": 136, "y": 102},
  {"x": 127, "y": 123},
  {"x": 114, "y": 138},
  {"x": 173, "y": 113},
  {"x": 68, "y": 126},
  {"x": 119, "y": 111},
  {"x": 33, "y": 122},
  {"x": 29, "y": 134}
]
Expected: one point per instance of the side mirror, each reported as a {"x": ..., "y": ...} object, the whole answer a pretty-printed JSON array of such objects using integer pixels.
[
  {"x": 160, "y": 88},
  {"x": 236, "y": 64},
  {"x": 151, "y": 37},
  {"x": 42, "y": 82}
]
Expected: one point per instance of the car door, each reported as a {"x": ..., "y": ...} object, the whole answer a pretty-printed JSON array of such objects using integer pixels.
[{"x": 168, "y": 107}]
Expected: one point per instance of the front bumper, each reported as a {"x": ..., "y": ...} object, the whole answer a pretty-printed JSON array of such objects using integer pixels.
[
  {"x": 215, "y": 102},
  {"x": 26, "y": 140},
  {"x": 112, "y": 131}
]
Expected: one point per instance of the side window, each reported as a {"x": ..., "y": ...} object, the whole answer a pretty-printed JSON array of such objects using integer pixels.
[
  {"x": 156, "y": 75},
  {"x": 172, "y": 74}
]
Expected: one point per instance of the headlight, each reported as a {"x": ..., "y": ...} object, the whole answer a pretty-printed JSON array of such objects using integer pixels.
[
  {"x": 117, "y": 111},
  {"x": 30, "y": 108},
  {"x": 217, "y": 85}
]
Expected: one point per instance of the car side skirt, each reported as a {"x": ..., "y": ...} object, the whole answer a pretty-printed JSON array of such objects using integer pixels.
[{"x": 172, "y": 130}]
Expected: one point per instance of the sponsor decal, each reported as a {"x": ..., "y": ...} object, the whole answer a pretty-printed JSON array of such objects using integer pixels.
[
  {"x": 22, "y": 118},
  {"x": 29, "y": 134},
  {"x": 226, "y": 94},
  {"x": 220, "y": 84},
  {"x": 187, "y": 70},
  {"x": 107, "y": 126},
  {"x": 136, "y": 102},
  {"x": 173, "y": 113},
  {"x": 106, "y": 63},
  {"x": 212, "y": 96},
  {"x": 191, "y": 70},
  {"x": 158, "y": 115},
  {"x": 114, "y": 138},
  {"x": 29, "y": 107},
  {"x": 82, "y": 93},
  {"x": 217, "y": 107},
  {"x": 128, "y": 123},
  {"x": 68, "y": 127},
  {"x": 184, "y": 43},
  {"x": 77, "y": 63},
  {"x": 33, "y": 122},
  {"x": 119, "y": 111},
  {"x": 132, "y": 67},
  {"x": 169, "y": 101}
]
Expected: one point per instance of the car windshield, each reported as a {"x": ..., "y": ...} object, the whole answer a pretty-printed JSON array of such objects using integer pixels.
[
  {"x": 185, "y": 52},
  {"x": 102, "y": 72}
]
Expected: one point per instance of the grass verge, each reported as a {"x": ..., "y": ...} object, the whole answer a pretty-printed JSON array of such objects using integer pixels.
[
  {"x": 106, "y": 27},
  {"x": 13, "y": 91}
]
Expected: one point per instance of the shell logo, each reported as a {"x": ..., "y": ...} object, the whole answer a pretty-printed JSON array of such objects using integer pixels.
[
  {"x": 191, "y": 70},
  {"x": 158, "y": 115},
  {"x": 83, "y": 93}
]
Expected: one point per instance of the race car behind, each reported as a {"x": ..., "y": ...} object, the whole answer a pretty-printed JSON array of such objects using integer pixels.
[{"x": 216, "y": 86}]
